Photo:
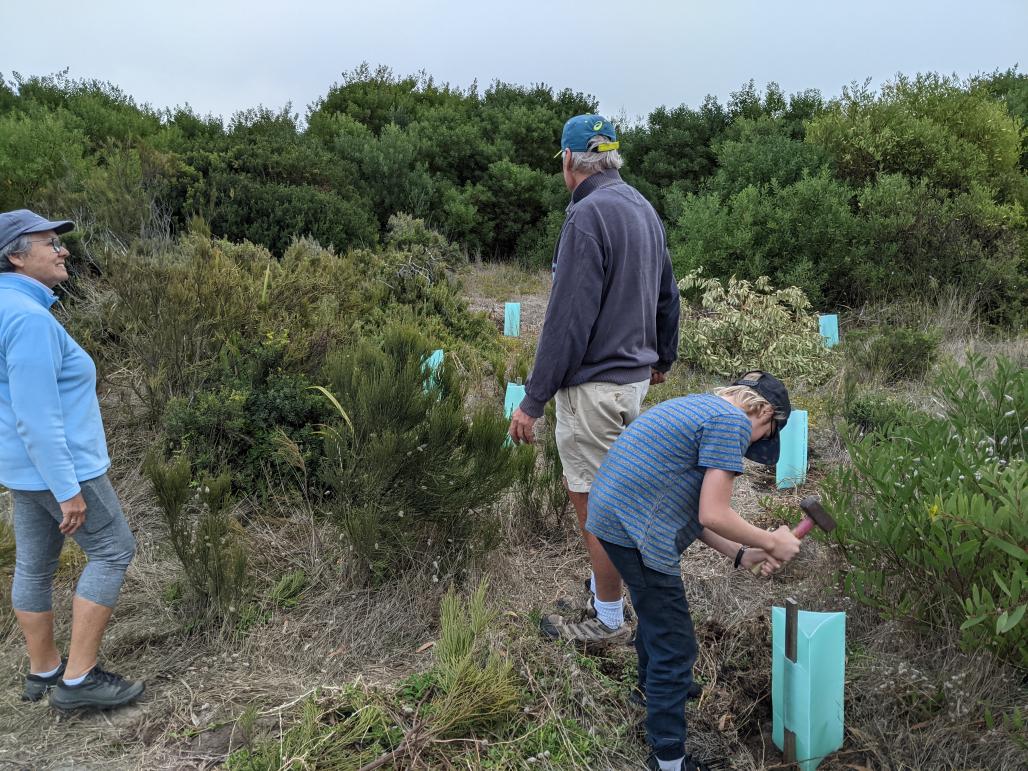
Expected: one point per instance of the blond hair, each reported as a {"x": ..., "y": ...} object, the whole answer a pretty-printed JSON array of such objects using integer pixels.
[{"x": 749, "y": 400}]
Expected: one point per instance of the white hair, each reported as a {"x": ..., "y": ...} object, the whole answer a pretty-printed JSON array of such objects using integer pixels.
[
  {"x": 21, "y": 244},
  {"x": 592, "y": 161}
]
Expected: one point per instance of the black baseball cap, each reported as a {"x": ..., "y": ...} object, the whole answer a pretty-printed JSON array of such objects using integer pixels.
[{"x": 771, "y": 388}]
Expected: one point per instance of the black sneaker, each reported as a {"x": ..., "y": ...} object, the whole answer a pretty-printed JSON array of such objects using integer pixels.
[
  {"x": 36, "y": 686},
  {"x": 100, "y": 690},
  {"x": 688, "y": 764}
]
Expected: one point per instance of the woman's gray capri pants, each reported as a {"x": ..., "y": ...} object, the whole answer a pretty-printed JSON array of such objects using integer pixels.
[{"x": 104, "y": 537}]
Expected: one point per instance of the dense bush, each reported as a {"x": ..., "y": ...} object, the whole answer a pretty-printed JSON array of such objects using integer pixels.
[
  {"x": 729, "y": 328},
  {"x": 175, "y": 315},
  {"x": 253, "y": 417},
  {"x": 914, "y": 188},
  {"x": 871, "y": 410},
  {"x": 931, "y": 513},
  {"x": 410, "y": 479},
  {"x": 892, "y": 354}
]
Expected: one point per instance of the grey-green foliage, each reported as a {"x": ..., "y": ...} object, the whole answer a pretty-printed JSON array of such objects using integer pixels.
[
  {"x": 411, "y": 478},
  {"x": 204, "y": 535},
  {"x": 733, "y": 326},
  {"x": 931, "y": 513}
]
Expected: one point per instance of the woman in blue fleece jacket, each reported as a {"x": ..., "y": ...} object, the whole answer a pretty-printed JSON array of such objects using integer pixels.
[{"x": 53, "y": 458}]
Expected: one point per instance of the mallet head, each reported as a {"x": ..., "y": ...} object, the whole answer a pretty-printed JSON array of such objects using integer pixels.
[{"x": 812, "y": 507}]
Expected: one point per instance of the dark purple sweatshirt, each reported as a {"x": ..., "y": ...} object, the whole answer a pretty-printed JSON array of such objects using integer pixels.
[{"x": 613, "y": 310}]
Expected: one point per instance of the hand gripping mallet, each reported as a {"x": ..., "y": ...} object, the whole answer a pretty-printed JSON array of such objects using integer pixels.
[{"x": 815, "y": 515}]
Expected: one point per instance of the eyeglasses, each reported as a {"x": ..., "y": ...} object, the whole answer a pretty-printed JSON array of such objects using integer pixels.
[
  {"x": 55, "y": 243},
  {"x": 777, "y": 420}
]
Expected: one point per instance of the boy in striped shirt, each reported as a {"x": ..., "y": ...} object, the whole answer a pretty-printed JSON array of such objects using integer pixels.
[{"x": 667, "y": 481}]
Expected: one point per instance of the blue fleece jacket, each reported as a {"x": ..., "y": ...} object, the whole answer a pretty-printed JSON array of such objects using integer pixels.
[
  {"x": 613, "y": 309},
  {"x": 51, "y": 434}
]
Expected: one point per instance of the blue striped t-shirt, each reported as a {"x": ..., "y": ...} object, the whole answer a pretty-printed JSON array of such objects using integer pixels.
[{"x": 646, "y": 495}]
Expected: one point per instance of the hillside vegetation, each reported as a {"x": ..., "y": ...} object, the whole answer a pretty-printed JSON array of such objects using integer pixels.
[{"x": 342, "y": 563}]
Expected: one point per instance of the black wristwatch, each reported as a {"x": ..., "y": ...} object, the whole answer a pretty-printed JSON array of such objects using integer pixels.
[{"x": 738, "y": 556}]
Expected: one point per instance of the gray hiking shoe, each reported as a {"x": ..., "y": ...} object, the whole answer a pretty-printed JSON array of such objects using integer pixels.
[
  {"x": 36, "y": 686},
  {"x": 582, "y": 605},
  {"x": 590, "y": 633},
  {"x": 100, "y": 690}
]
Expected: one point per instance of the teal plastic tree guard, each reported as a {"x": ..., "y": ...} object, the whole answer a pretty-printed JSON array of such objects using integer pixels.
[
  {"x": 431, "y": 364},
  {"x": 511, "y": 400},
  {"x": 515, "y": 393},
  {"x": 807, "y": 694},
  {"x": 791, "y": 470},
  {"x": 829, "y": 324},
  {"x": 512, "y": 319}
]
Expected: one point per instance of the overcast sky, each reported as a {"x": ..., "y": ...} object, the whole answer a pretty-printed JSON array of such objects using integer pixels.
[{"x": 633, "y": 55}]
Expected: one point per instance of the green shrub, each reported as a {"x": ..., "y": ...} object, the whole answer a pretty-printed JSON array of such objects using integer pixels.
[
  {"x": 892, "y": 354},
  {"x": 411, "y": 480},
  {"x": 253, "y": 417},
  {"x": 876, "y": 411},
  {"x": 206, "y": 538},
  {"x": 728, "y": 328},
  {"x": 932, "y": 520}
]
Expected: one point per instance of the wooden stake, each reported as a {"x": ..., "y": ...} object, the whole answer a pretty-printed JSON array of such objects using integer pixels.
[{"x": 792, "y": 620}]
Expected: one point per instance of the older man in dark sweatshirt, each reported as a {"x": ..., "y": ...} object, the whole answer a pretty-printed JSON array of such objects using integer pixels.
[{"x": 611, "y": 331}]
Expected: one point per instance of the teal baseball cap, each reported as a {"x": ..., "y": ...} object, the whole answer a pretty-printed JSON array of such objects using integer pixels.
[{"x": 580, "y": 129}]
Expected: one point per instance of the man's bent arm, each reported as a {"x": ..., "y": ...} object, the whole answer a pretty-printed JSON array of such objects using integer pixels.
[{"x": 572, "y": 310}]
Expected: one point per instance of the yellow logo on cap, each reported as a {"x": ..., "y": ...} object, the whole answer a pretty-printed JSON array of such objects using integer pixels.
[{"x": 598, "y": 125}]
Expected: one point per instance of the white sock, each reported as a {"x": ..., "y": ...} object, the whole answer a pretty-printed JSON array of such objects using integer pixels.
[
  {"x": 611, "y": 613},
  {"x": 670, "y": 765},
  {"x": 51, "y": 673},
  {"x": 76, "y": 680},
  {"x": 592, "y": 583}
]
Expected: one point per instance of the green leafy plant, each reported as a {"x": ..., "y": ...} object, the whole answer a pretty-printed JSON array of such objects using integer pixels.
[
  {"x": 931, "y": 512},
  {"x": 205, "y": 537},
  {"x": 733, "y": 326}
]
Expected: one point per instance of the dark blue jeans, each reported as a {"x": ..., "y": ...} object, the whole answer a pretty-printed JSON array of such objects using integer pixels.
[{"x": 666, "y": 644}]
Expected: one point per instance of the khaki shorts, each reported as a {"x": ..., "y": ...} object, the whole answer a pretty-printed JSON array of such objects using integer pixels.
[{"x": 590, "y": 417}]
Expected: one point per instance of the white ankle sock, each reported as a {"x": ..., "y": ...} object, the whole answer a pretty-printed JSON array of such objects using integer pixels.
[
  {"x": 611, "y": 613},
  {"x": 51, "y": 673},
  {"x": 76, "y": 680},
  {"x": 670, "y": 765},
  {"x": 592, "y": 583}
]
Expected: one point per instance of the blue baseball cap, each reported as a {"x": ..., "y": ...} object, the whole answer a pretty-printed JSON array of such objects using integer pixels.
[
  {"x": 20, "y": 222},
  {"x": 580, "y": 129}
]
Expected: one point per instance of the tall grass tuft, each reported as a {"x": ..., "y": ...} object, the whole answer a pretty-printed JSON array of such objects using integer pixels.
[{"x": 206, "y": 539}]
